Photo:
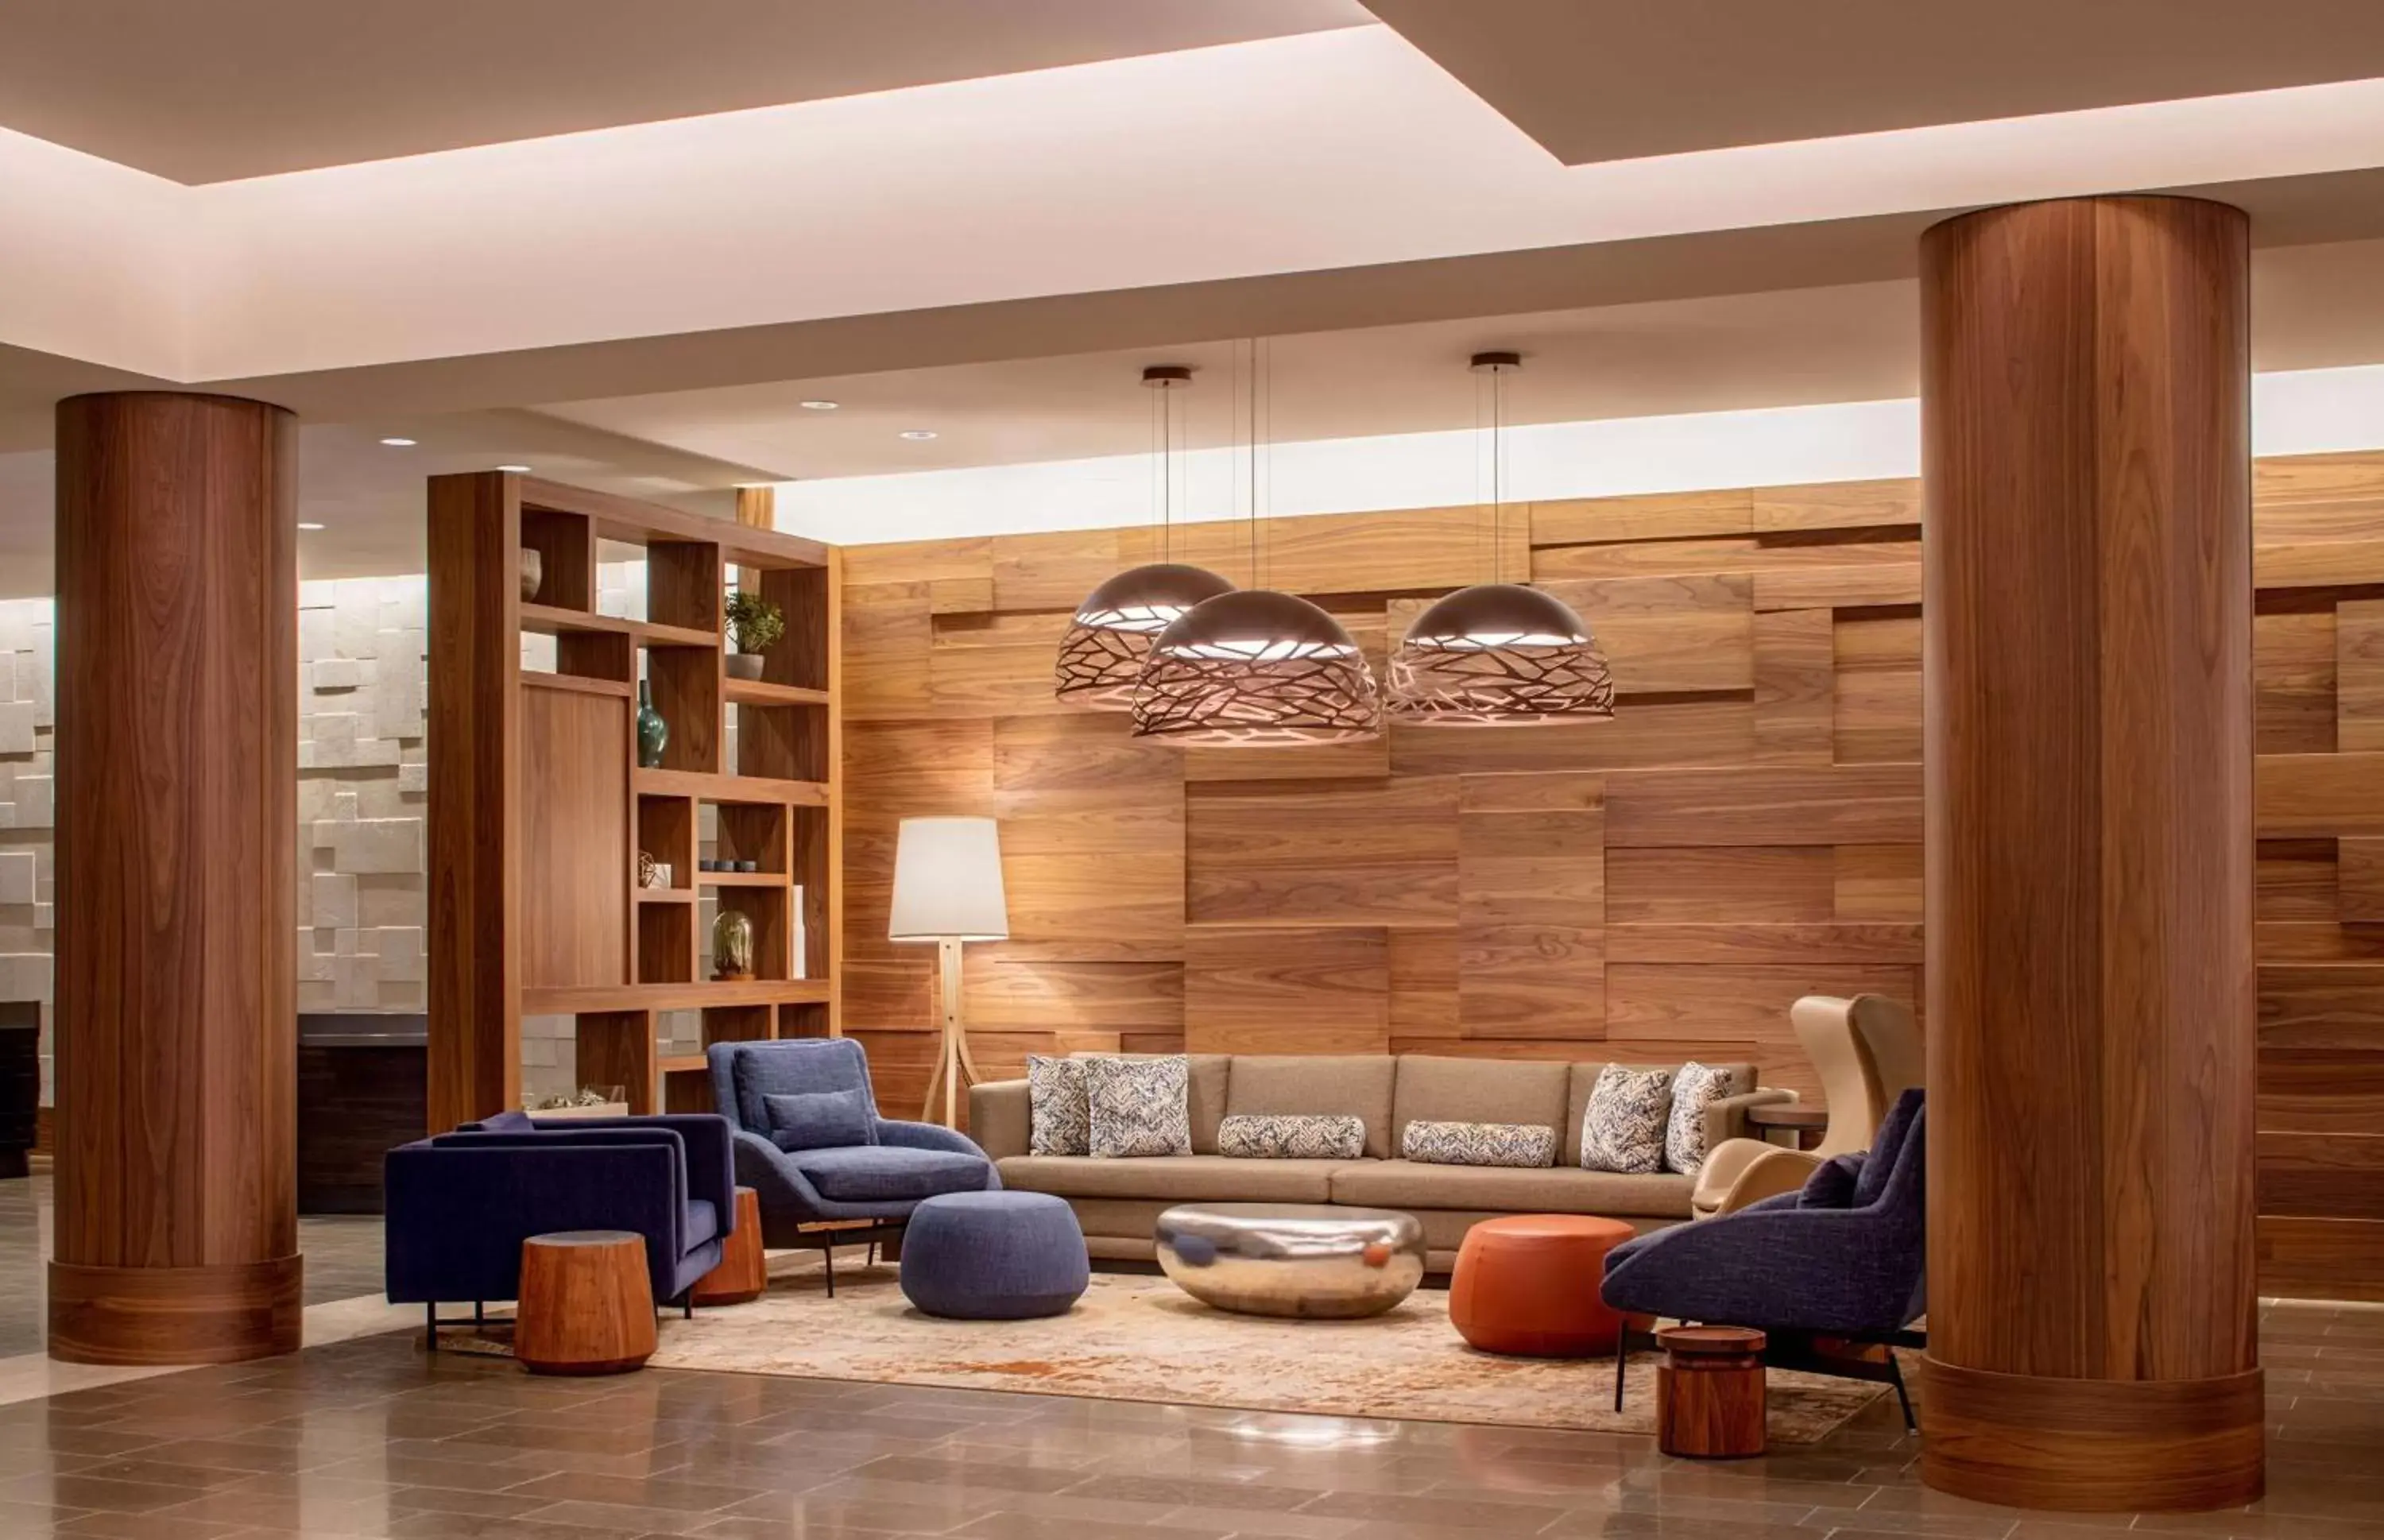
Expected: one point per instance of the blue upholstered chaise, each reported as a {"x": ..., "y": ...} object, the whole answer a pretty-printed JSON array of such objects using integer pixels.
[
  {"x": 1844, "y": 1257},
  {"x": 461, "y": 1204},
  {"x": 880, "y": 1179}
]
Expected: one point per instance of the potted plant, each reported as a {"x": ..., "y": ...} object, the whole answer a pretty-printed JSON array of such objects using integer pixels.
[{"x": 754, "y": 623}]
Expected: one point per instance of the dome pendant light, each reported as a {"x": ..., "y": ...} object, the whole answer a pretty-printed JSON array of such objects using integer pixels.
[
  {"x": 1255, "y": 668},
  {"x": 1101, "y": 656},
  {"x": 1500, "y": 654}
]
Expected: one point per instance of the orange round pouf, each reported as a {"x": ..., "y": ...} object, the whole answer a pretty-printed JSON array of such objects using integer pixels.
[{"x": 1528, "y": 1285}]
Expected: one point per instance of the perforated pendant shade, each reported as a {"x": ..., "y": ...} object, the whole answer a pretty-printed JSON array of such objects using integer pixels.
[
  {"x": 1500, "y": 654},
  {"x": 1255, "y": 668},
  {"x": 1101, "y": 656}
]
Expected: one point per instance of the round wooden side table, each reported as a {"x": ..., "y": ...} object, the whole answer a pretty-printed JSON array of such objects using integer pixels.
[
  {"x": 585, "y": 1306},
  {"x": 1709, "y": 1392},
  {"x": 743, "y": 1272},
  {"x": 1808, "y": 1125}
]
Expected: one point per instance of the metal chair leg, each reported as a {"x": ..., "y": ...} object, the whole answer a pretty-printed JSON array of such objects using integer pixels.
[
  {"x": 480, "y": 1316},
  {"x": 1903, "y": 1399},
  {"x": 1621, "y": 1357},
  {"x": 430, "y": 1317},
  {"x": 828, "y": 1253}
]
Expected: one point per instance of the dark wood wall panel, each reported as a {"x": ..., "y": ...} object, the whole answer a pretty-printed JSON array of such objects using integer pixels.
[{"x": 1658, "y": 887}]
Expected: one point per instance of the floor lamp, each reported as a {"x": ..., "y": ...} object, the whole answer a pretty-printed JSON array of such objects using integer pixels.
[{"x": 948, "y": 890}]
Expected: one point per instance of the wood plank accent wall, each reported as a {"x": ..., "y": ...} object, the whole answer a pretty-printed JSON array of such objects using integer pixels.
[{"x": 1658, "y": 887}]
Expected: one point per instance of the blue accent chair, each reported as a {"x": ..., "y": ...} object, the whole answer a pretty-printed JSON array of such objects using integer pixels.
[
  {"x": 881, "y": 1181},
  {"x": 1842, "y": 1258},
  {"x": 461, "y": 1204}
]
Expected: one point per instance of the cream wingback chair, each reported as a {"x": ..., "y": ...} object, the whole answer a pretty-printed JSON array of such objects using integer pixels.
[{"x": 1867, "y": 1051}]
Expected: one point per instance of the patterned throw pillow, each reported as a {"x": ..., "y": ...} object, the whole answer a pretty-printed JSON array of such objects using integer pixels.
[
  {"x": 1623, "y": 1129},
  {"x": 1292, "y": 1136},
  {"x": 1061, "y": 1120},
  {"x": 1479, "y": 1144},
  {"x": 1139, "y": 1106},
  {"x": 1694, "y": 1090}
]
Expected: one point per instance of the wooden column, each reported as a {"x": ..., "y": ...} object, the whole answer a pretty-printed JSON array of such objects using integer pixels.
[
  {"x": 2090, "y": 976},
  {"x": 177, "y": 849}
]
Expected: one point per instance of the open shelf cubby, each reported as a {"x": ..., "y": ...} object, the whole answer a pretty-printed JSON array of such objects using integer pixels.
[{"x": 541, "y": 808}]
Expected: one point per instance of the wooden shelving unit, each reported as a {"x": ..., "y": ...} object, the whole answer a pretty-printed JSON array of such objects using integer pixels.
[{"x": 539, "y": 808}]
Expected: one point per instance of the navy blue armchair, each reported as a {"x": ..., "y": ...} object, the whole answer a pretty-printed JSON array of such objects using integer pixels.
[
  {"x": 879, "y": 1173},
  {"x": 1842, "y": 1258},
  {"x": 461, "y": 1204}
]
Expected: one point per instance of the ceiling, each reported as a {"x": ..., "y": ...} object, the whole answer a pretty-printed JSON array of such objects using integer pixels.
[
  {"x": 2315, "y": 307},
  {"x": 206, "y": 91},
  {"x": 1613, "y": 79}
]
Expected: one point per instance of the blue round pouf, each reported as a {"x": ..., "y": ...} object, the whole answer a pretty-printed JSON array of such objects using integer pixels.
[{"x": 994, "y": 1256}]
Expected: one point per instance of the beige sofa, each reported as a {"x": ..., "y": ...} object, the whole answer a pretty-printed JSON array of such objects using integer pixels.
[{"x": 1119, "y": 1201}]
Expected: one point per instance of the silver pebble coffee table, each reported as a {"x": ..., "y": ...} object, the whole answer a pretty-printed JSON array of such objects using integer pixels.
[{"x": 1311, "y": 1261}]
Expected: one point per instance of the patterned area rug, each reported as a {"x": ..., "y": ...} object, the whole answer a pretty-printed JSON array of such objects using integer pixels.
[{"x": 1139, "y": 1339}]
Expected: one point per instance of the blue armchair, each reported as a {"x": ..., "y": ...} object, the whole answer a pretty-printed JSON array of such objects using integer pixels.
[
  {"x": 878, "y": 1174},
  {"x": 1842, "y": 1259},
  {"x": 461, "y": 1204}
]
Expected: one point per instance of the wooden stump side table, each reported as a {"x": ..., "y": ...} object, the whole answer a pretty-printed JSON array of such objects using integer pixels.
[
  {"x": 743, "y": 1272},
  {"x": 585, "y": 1306},
  {"x": 1709, "y": 1392}
]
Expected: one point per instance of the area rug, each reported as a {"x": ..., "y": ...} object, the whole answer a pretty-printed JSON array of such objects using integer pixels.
[{"x": 1139, "y": 1339}]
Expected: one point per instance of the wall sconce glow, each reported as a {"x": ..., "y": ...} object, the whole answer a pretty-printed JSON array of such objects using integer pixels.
[
  {"x": 398, "y": 443},
  {"x": 917, "y": 435},
  {"x": 817, "y": 405},
  {"x": 517, "y": 470},
  {"x": 303, "y": 525}
]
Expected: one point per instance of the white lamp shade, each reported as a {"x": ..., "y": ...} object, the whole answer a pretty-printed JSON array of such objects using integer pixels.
[{"x": 947, "y": 881}]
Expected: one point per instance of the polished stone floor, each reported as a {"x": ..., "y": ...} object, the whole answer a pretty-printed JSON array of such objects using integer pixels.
[
  {"x": 372, "y": 1438},
  {"x": 342, "y": 1259}
]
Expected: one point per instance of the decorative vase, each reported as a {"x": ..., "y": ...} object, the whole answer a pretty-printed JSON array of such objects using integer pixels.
[
  {"x": 732, "y": 945},
  {"x": 744, "y": 665},
  {"x": 652, "y": 732},
  {"x": 533, "y": 571}
]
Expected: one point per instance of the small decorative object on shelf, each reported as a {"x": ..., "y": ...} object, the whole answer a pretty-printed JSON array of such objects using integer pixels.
[
  {"x": 749, "y": 865},
  {"x": 708, "y": 865},
  {"x": 588, "y": 1101},
  {"x": 652, "y": 732},
  {"x": 754, "y": 623},
  {"x": 652, "y": 872},
  {"x": 533, "y": 572},
  {"x": 732, "y": 946}
]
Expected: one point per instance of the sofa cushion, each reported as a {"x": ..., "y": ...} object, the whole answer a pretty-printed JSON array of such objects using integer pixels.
[
  {"x": 502, "y": 1123},
  {"x": 1173, "y": 1178},
  {"x": 1584, "y": 1080},
  {"x": 1357, "y": 1085},
  {"x": 791, "y": 1068},
  {"x": 1206, "y": 1075},
  {"x": 1623, "y": 1130},
  {"x": 1832, "y": 1186},
  {"x": 889, "y": 1173},
  {"x": 1694, "y": 1091},
  {"x": 1059, "y": 1119},
  {"x": 1509, "y": 1189},
  {"x": 1522, "y": 1145},
  {"x": 1434, "y": 1088},
  {"x": 1292, "y": 1136},
  {"x": 1138, "y": 1107},
  {"x": 702, "y": 1222},
  {"x": 820, "y": 1119}
]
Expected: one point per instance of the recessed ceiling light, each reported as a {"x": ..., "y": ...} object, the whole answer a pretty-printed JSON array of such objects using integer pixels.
[
  {"x": 918, "y": 434},
  {"x": 517, "y": 470},
  {"x": 398, "y": 443},
  {"x": 817, "y": 405},
  {"x": 302, "y": 525}
]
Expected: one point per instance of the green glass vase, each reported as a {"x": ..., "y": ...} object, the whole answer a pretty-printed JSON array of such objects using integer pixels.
[{"x": 652, "y": 732}]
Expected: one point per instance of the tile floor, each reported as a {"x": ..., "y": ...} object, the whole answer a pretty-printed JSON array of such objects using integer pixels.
[{"x": 368, "y": 1438}]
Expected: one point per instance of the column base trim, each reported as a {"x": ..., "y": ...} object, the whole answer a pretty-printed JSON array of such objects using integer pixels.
[
  {"x": 2093, "y": 1446},
  {"x": 176, "y": 1315}
]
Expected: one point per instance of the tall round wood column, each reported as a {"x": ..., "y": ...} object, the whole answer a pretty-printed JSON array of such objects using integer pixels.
[
  {"x": 177, "y": 855},
  {"x": 2085, "y": 407}
]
